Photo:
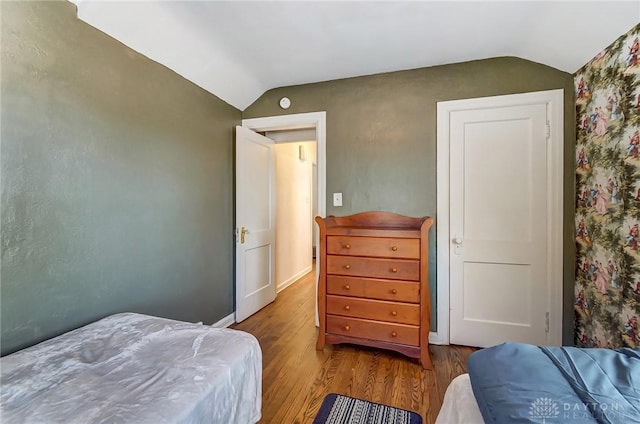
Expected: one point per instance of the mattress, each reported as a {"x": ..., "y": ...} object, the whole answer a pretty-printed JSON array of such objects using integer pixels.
[
  {"x": 133, "y": 368},
  {"x": 459, "y": 405}
]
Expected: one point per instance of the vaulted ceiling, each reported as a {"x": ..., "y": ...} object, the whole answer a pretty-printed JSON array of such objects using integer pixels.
[{"x": 237, "y": 50}]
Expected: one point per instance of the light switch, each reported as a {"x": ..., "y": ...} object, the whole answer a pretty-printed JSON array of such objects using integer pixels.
[{"x": 337, "y": 199}]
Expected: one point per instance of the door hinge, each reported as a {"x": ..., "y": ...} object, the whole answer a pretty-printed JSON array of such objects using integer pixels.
[
  {"x": 548, "y": 130},
  {"x": 546, "y": 322}
]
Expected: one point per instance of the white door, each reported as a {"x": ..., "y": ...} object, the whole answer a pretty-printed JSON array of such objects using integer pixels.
[
  {"x": 498, "y": 207},
  {"x": 255, "y": 223}
]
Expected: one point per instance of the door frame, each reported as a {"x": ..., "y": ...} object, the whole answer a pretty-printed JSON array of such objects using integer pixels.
[
  {"x": 299, "y": 121},
  {"x": 555, "y": 154}
]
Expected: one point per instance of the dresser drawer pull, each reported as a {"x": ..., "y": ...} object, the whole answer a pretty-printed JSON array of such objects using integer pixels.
[
  {"x": 394, "y": 334},
  {"x": 347, "y": 246},
  {"x": 347, "y": 266},
  {"x": 347, "y": 287},
  {"x": 394, "y": 248},
  {"x": 347, "y": 307},
  {"x": 347, "y": 328},
  {"x": 394, "y": 269},
  {"x": 394, "y": 291},
  {"x": 394, "y": 313}
]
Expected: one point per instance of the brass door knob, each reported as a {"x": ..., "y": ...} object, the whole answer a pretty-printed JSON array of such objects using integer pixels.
[
  {"x": 394, "y": 248},
  {"x": 347, "y": 266},
  {"x": 347, "y": 246},
  {"x": 394, "y": 269},
  {"x": 243, "y": 233},
  {"x": 347, "y": 287},
  {"x": 347, "y": 307}
]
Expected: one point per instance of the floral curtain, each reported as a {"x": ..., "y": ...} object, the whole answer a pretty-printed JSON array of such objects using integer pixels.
[{"x": 607, "y": 291}]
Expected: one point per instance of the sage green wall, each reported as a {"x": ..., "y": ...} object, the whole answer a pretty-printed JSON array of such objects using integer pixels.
[
  {"x": 117, "y": 179},
  {"x": 381, "y": 137}
]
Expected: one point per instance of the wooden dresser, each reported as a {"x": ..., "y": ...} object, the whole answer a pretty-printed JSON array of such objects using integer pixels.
[{"x": 374, "y": 282}]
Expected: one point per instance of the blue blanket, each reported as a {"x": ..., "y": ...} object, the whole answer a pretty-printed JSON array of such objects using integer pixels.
[{"x": 519, "y": 383}]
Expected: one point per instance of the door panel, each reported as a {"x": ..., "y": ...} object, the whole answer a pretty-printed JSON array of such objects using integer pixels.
[
  {"x": 257, "y": 265},
  {"x": 498, "y": 204},
  {"x": 506, "y": 283},
  {"x": 255, "y": 221},
  {"x": 494, "y": 179},
  {"x": 255, "y": 159}
]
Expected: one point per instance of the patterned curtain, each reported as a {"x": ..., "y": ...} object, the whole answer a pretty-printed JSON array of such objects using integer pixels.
[{"x": 607, "y": 291}]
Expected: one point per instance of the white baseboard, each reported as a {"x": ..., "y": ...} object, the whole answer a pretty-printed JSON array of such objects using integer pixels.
[
  {"x": 225, "y": 322},
  {"x": 434, "y": 338},
  {"x": 293, "y": 279}
]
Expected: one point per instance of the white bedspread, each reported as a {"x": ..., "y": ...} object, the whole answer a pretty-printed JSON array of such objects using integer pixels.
[
  {"x": 132, "y": 368},
  {"x": 459, "y": 405}
]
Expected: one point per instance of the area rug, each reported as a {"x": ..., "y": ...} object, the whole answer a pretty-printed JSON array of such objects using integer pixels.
[{"x": 340, "y": 409}]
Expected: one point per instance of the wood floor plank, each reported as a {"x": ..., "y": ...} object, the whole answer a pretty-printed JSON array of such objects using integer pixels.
[{"x": 296, "y": 377}]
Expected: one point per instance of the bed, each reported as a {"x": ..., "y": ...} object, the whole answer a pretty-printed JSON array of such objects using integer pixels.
[
  {"x": 133, "y": 368},
  {"x": 519, "y": 383}
]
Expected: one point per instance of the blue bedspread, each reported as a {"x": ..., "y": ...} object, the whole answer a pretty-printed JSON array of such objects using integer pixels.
[{"x": 519, "y": 383}]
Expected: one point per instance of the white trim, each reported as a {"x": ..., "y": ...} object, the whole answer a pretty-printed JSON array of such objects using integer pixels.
[
  {"x": 442, "y": 222},
  {"x": 226, "y": 321},
  {"x": 292, "y": 136},
  {"x": 555, "y": 229},
  {"x": 318, "y": 120},
  {"x": 435, "y": 339},
  {"x": 293, "y": 279},
  {"x": 555, "y": 156}
]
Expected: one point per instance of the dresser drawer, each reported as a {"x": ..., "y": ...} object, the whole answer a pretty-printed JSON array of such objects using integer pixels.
[
  {"x": 401, "y": 291},
  {"x": 374, "y": 330},
  {"x": 380, "y": 310},
  {"x": 396, "y": 269},
  {"x": 383, "y": 247}
]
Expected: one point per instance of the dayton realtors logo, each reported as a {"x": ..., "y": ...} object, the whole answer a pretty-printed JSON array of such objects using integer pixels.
[
  {"x": 547, "y": 409},
  {"x": 544, "y": 408}
]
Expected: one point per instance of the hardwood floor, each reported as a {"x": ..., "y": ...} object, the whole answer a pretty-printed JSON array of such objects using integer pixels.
[{"x": 296, "y": 377}]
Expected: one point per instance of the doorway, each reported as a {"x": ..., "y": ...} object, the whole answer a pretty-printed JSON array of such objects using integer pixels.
[
  {"x": 294, "y": 128},
  {"x": 294, "y": 207},
  {"x": 499, "y": 227}
]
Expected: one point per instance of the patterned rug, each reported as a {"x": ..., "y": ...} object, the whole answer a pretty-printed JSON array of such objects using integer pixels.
[{"x": 339, "y": 409}]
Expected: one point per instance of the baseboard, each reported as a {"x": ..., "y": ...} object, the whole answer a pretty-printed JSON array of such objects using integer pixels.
[
  {"x": 225, "y": 322},
  {"x": 434, "y": 338},
  {"x": 293, "y": 279}
]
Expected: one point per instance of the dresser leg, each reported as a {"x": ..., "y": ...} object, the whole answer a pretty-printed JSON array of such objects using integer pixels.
[
  {"x": 425, "y": 359},
  {"x": 320, "y": 343}
]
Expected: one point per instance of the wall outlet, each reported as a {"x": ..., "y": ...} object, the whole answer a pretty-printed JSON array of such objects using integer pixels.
[{"x": 337, "y": 199}]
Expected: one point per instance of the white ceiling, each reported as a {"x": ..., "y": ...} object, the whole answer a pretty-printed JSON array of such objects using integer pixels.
[{"x": 237, "y": 50}]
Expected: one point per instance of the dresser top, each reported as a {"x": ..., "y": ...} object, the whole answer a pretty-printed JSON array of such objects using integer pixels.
[
  {"x": 374, "y": 232},
  {"x": 366, "y": 222}
]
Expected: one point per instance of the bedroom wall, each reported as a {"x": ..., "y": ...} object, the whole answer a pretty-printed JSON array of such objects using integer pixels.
[
  {"x": 607, "y": 164},
  {"x": 117, "y": 179},
  {"x": 381, "y": 137}
]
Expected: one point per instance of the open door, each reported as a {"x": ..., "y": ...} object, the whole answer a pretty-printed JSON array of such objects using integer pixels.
[{"x": 255, "y": 222}]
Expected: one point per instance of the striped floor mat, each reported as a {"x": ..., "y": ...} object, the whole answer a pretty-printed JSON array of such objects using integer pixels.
[{"x": 339, "y": 409}]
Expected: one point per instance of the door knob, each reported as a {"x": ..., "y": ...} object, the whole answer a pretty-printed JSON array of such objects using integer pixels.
[
  {"x": 243, "y": 232},
  {"x": 457, "y": 245}
]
